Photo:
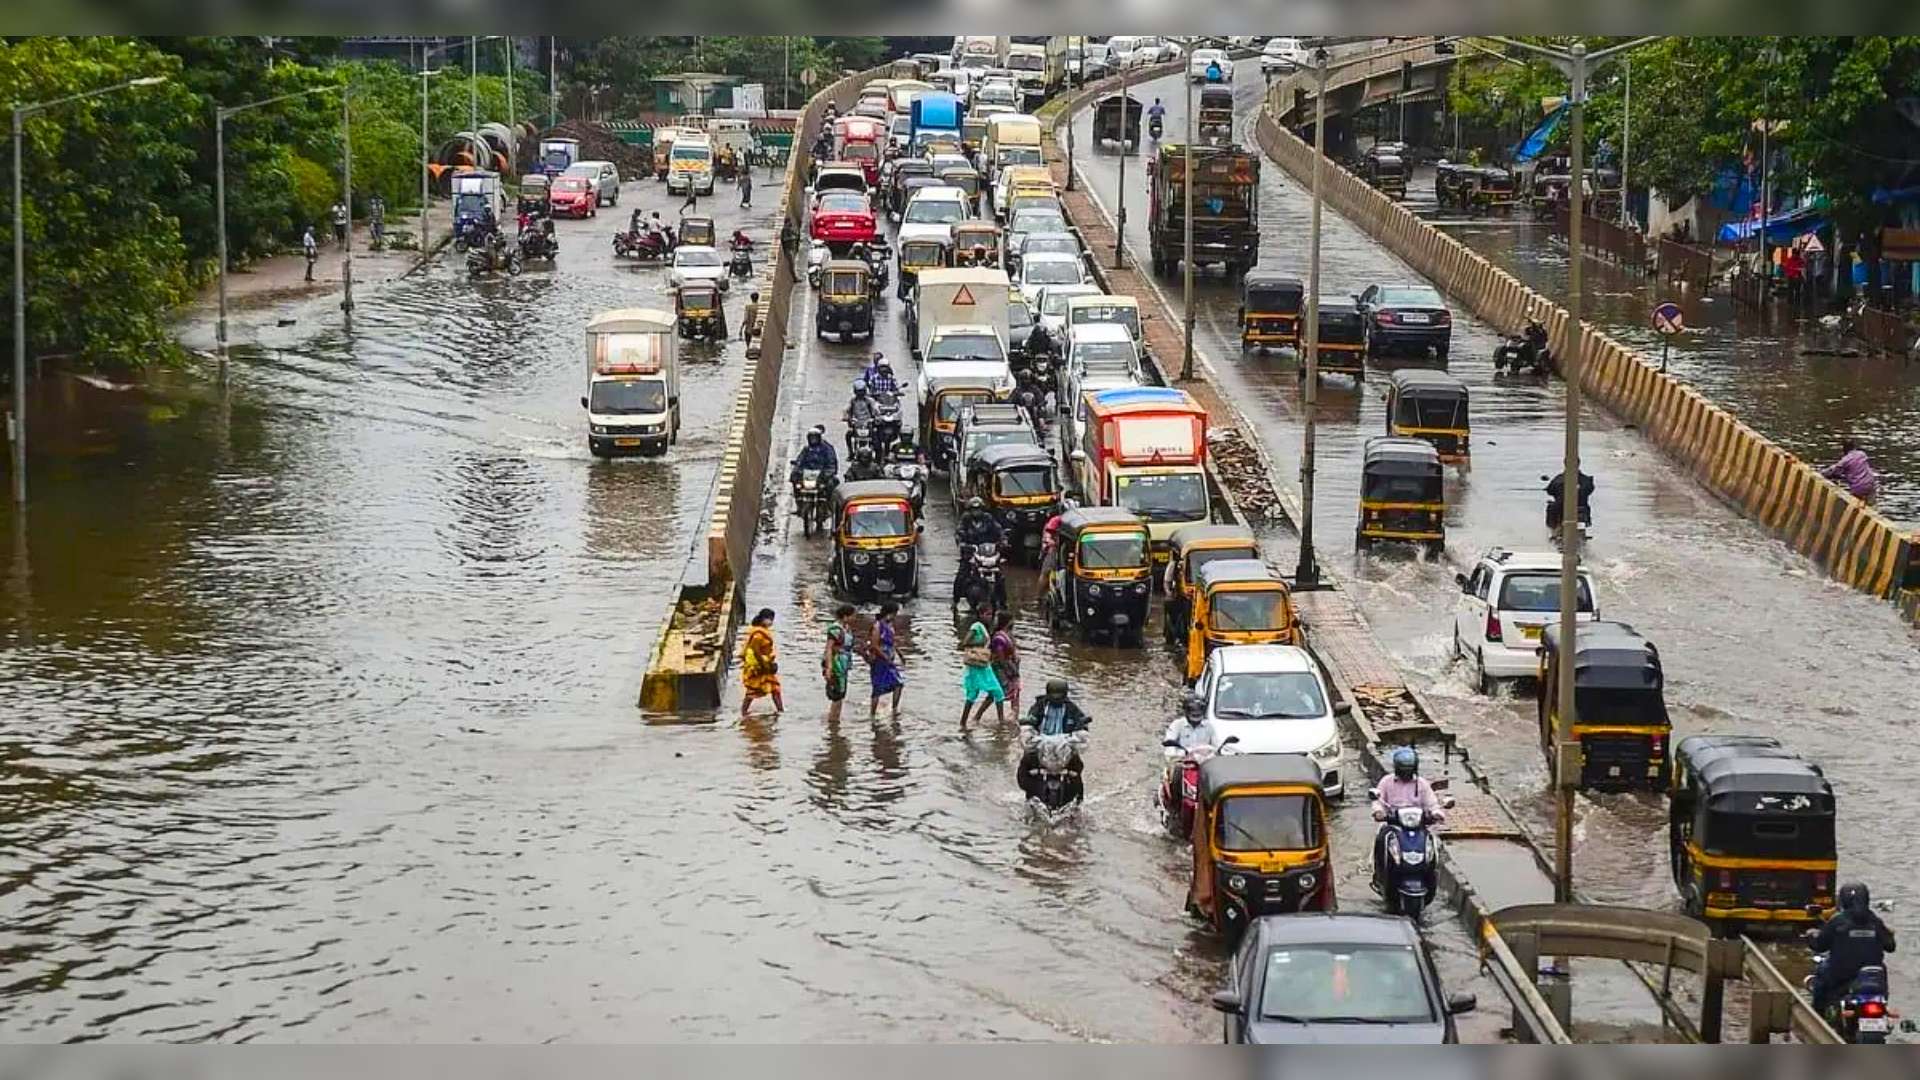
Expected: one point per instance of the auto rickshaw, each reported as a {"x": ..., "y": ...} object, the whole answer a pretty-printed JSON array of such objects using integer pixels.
[
  {"x": 1188, "y": 550},
  {"x": 1750, "y": 831},
  {"x": 698, "y": 312},
  {"x": 1620, "y": 715},
  {"x": 875, "y": 540},
  {"x": 1102, "y": 584},
  {"x": 905, "y": 169},
  {"x": 1270, "y": 310},
  {"x": 941, "y": 414},
  {"x": 846, "y": 299},
  {"x": 1496, "y": 189},
  {"x": 966, "y": 179},
  {"x": 1238, "y": 602},
  {"x": 1259, "y": 840},
  {"x": 1430, "y": 405},
  {"x": 1021, "y": 488},
  {"x": 536, "y": 195},
  {"x": 1402, "y": 496},
  {"x": 1343, "y": 339},
  {"x": 921, "y": 251},
  {"x": 697, "y": 229},
  {"x": 976, "y": 235}
]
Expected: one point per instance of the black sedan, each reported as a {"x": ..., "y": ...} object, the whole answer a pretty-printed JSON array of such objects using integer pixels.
[
  {"x": 1408, "y": 319},
  {"x": 1327, "y": 978}
]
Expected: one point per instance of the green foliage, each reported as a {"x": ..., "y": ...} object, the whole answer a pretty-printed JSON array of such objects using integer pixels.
[{"x": 312, "y": 190}]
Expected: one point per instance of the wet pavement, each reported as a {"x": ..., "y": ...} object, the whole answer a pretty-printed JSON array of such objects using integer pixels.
[
  {"x": 1755, "y": 366},
  {"x": 1750, "y": 633}
]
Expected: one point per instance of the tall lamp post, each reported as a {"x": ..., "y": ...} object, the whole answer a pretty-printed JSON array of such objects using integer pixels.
[
  {"x": 221, "y": 114},
  {"x": 1576, "y": 63},
  {"x": 20, "y": 114},
  {"x": 1120, "y": 214}
]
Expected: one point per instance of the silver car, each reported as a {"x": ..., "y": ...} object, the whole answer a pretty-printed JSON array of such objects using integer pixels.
[{"x": 604, "y": 177}]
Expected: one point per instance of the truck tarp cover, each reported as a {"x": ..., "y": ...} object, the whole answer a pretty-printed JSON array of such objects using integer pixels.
[{"x": 1144, "y": 438}]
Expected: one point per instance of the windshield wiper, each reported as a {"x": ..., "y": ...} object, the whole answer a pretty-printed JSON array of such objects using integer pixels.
[{"x": 1258, "y": 844}]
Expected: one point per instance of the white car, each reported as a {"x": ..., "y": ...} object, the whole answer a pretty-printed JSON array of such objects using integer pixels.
[
  {"x": 1050, "y": 307},
  {"x": 1284, "y": 54},
  {"x": 1202, "y": 59},
  {"x": 1505, "y": 605},
  {"x": 697, "y": 262},
  {"x": 937, "y": 206},
  {"x": 1044, "y": 268},
  {"x": 1271, "y": 698}
]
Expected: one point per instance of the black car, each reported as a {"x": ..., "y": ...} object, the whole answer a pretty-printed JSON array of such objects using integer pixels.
[
  {"x": 1406, "y": 318},
  {"x": 1329, "y": 978}
]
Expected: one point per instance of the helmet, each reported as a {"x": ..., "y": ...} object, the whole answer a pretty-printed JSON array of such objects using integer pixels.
[
  {"x": 813, "y": 437},
  {"x": 1854, "y": 898},
  {"x": 820, "y": 430},
  {"x": 863, "y": 454},
  {"x": 1057, "y": 689},
  {"x": 1069, "y": 503},
  {"x": 976, "y": 503},
  {"x": 1405, "y": 763},
  {"x": 859, "y": 388}
]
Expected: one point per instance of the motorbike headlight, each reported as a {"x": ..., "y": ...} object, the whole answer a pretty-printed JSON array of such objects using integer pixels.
[
  {"x": 861, "y": 558},
  {"x": 1093, "y": 590},
  {"x": 1237, "y": 882},
  {"x": 903, "y": 557},
  {"x": 1413, "y": 858}
]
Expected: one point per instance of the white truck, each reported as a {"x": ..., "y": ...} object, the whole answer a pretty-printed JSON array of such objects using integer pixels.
[
  {"x": 633, "y": 382},
  {"x": 945, "y": 299},
  {"x": 1029, "y": 66},
  {"x": 981, "y": 51}
]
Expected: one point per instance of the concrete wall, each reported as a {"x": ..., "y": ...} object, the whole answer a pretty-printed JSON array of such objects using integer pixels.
[{"x": 1848, "y": 539}]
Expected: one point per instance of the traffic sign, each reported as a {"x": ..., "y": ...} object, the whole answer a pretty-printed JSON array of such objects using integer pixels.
[
  {"x": 963, "y": 298},
  {"x": 1667, "y": 320},
  {"x": 807, "y": 77}
]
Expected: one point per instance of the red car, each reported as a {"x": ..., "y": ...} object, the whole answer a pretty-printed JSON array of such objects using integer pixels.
[
  {"x": 843, "y": 217},
  {"x": 574, "y": 196}
]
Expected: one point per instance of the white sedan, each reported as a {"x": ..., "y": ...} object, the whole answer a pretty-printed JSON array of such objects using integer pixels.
[
  {"x": 697, "y": 262},
  {"x": 1283, "y": 54},
  {"x": 1203, "y": 59}
]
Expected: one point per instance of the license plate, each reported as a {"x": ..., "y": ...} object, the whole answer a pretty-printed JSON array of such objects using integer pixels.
[
  {"x": 1613, "y": 770},
  {"x": 1414, "y": 317},
  {"x": 1873, "y": 1023},
  {"x": 882, "y": 585},
  {"x": 1531, "y": 633}
]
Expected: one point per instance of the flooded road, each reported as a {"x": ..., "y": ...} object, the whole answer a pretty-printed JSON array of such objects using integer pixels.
[
  {"x": 1753, "y": 366},
  {"x": 1754, "y": 639}
]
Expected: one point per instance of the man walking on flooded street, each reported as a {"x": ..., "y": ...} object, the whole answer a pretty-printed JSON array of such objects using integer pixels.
[{"x": 312, "y": 250}]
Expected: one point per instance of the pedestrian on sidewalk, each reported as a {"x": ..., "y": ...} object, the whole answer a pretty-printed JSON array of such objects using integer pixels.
[
  {"x": 838, "y": 662},
  {"x": 1853, "y": 472},
  {"x": 883, "y": 660},
  {"x": 312, "y": 250},
  {"x": 339, "y": 222},
  {"x": 750, "y": 321},
  {"x": 760, "y": 666},
  {"x": 978, "y": 682},
  {"x": 377, "y": 221},
  {"x": 1006, "y": 657}
]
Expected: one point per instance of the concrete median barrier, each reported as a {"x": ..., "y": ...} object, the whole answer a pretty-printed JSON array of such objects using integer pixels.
[{"x": 1844, "y": 536}]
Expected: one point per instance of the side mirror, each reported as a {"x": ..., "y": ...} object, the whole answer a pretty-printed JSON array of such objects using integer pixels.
[
  {"x": 1343, "y": 708},
  {"x": 583, "y": 402},
  {"x": 1230, "y": 740},
  {"x": 1373, "y": 793},
  {"x": 1227, "y": 1001},
  {"x": 919, "y": 527},
  {"x": 1441, "y": 784},
  {"x": 1461, "y": 1003},
  {"x": 1446, "y": 802},
  {"x": 1460, "y": 580},
  {"x": 1078, "y": 456}
]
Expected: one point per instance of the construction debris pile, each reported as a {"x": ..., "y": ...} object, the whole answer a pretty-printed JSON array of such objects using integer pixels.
[
  {"x": 1243, "y": 471},
  {"x": 598, "y": 143}
]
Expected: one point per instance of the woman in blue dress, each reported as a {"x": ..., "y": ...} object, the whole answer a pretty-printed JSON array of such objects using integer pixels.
[{"x": 883, "y": 659}]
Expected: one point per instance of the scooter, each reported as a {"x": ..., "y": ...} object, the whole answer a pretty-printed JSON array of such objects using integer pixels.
[
  {"x": 817, "y": 256},
  {"x": 741, "y": 265},
  {"x": 1058, "y": 786},
  {"x": 1409, "y": 876},
  {"x": 886, "y": 426},
  {"x": 645, "y": 246},
  {"x": 914, "y": 475},
  {"x": 877, "y": 262},
  {"x": 1154, "y": 127},
  {"x": 1182, "y": 774},
  {"x": 490, "y": 256},
  {"x": 1860, "y": 1013},
  {"x": 980, "y": 578},
  {"x": 1557, "y": 510},
  {"x": 1527, "y": 349}
]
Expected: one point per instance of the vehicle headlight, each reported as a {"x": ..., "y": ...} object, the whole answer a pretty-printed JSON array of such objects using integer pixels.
[
  {"x": 1413, "y": 858},
  {"x": 1093, "y": 590},
  {"x": 1141, "y": 589},
  {"x": 596, "y": 429},
  {"x": 1307, "y": 882},
  {"x": 1329, "y": 751},
  {"x": 1237, "y": 882},
  {"x": 861, "y": 558},
  {"x": 903, "y": 557}
]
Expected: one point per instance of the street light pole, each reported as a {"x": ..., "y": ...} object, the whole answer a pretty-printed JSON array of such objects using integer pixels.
[
  {"x": 346, "y": 180},
  {"x": 1070, "y": 126},
  {"x": 473, "y": 86},
  {"x": 1186, "y": 261},
  {"x": 1626, "y": 151},
  {"x": 19, "y": 419},
  {"x": 1120, "y": 214},
  {"x": 507, "y": 40},
  {"x": 426, "y": 159},
  {"x": 1306, "y": 574}
]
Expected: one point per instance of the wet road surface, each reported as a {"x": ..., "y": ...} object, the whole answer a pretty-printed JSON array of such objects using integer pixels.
[
  {"x": 1752, "y": 366},
  {"x": 1754, "y": 638},
  {"x": 317, "y": 701}
]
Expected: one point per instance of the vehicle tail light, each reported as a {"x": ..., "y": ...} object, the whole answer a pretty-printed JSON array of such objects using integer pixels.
[
  {"x": 1873, "y": 1008},
  {"x": 1726, "y": 879},
  {"x": 1384, "y": 318},
  {"x": 1493, "y": 627},
  {"x": 1820, "y": 883},
  {"x": 1657, "y": 746},
  {"x": 1442, "y": 318}
]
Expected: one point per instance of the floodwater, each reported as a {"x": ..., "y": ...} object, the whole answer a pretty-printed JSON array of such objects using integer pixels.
[
  {"x": 1768, "y": 370},
  {"x": 1753, "y": 637}
]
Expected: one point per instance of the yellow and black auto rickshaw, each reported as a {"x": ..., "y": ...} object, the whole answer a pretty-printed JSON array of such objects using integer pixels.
[
  {"x": 875, "y": 540},
  {"x": 1101, "y": 585},
  {"x": 940, "y": 417},
  {"x": 1343, "y": 339},
  {"x": 928, "y": 251},
  {"x": 1270, "y": 311},
  {"x": 1238, "y": 602},
  {"x": 1402, "y": 493},
  {"x": 976, "y": 243},
  {"x": 696, "y": 230},
  {"x": 1432, "y": 406},
  {"x": 1620, "y": 715},
  {"x": 1020, "y": 487},
  {"x": 1188, "y": 550},
  {"x": 1750, "y": 831},
  {"x": 846, "y": 299},
  {"x": 536, "y": 195},
  {"x": 1259, "y": 840},
  {"x": 698, "y": 311}
]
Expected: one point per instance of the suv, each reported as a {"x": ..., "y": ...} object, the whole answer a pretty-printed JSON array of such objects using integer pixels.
[
  {"x": 1272, "y": 699},
  {"x": 1505, "y": 605}
]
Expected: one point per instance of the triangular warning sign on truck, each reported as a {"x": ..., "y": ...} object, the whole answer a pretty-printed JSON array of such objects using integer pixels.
[{"x": 963, "y": 298}]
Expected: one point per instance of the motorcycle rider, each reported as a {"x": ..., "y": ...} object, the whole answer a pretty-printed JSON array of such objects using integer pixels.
[
  {"x": 1039, "y": 342},
  {"x": 1053, "y": 713},
  {"x": 817, "y": 454},
  {"x": 978, "y": 525},
  {"x": 863, "y": 466},
  {"x": 1557, "y": 498},
  {"x": 861, "y": 412},
  {"x": 879, "y": 376},
  {"x": 1406, "y": 787},
  {"x": 1854, "y": 938},
  {"x": 1188, "y": 731}
]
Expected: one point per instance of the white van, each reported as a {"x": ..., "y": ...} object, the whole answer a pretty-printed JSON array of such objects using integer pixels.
[{"x": 690, "y": 164}]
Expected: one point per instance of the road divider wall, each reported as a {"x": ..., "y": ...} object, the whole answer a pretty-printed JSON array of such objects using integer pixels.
[
  {"x": 695, "y": 644},
  {"x": 1843, "y": 535}
]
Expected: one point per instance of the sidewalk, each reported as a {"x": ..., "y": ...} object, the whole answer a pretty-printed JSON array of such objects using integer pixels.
[{"x": 283, "y": 276}]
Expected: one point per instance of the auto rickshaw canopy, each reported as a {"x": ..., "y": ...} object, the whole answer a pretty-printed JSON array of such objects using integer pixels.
[
  {"x": 1224, "y": 774},
  {"x": 1747, "y": 796},
  {"x": 1255, "y": 571},
  {"x": 1098, "y": 518},
  {"x": 1391, "y": 461},
  {"x": 1428, "y": 399},
  {"x": 696, "y": 298},
  {"x": 1341, "y": 321},
  {"x": 844, "y": 277},
  {"x": 697, "y": 229},
  {"x": 1202, "y": 537},
  {"x": 1608, "y": 656},
  {"x": 1012, "y": 456},
  {"x": 1264, "y": 292}
]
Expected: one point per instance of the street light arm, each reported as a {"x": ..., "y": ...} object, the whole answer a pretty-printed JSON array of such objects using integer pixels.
[
  {"x": 1607, "y": 54},
  {"x": 230, "y": 110},
  {"x": 33, "y": 108}
]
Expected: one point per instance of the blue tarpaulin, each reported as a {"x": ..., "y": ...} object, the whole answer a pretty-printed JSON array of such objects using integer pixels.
[
  {"x": 1536, "y": 141},
  {"x": 1781, "y": 228}
]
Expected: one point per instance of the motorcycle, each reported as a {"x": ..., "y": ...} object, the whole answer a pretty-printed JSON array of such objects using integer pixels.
[
  {"x": 817, "y": 256},
  {"x": 1557, "y": 510},
  {"x": 1154, "y": 128},
  {"x": 1183, "y": 770},
  {"x": 536, "y": 243},
  {"x": 914, "y": 475},
  {"x": 980, "y": 578},
  {"x": 645, "y": 246},
  {"x": 1411, "y": 854},
  {"x": 1860, "y": 1014},
  {"x": 1059, "y": 787},
  {"x": 886, "y": 426},
  {"x": 877, "y": 262},
  {"x": 741, "y": 265},
  {"x": 1527, "y": 349},
  {"x": 495, "y": 256},
  {"x": 859, "y": 437},
  {"x": 810, "y": 501}
]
